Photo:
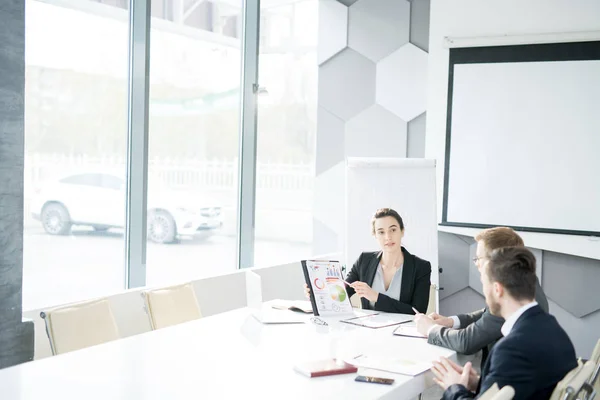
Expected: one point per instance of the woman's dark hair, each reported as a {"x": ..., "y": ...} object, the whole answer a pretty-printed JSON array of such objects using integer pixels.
[{"x": 386, "y": 212}]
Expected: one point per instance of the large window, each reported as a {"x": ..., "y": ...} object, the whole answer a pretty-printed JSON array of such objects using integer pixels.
[
  {"x": 76, "y": 143},
  {"x": 287, "y": 111},
  {"x": 75, "y": 147},
  {"x": 194, "y": 134}
]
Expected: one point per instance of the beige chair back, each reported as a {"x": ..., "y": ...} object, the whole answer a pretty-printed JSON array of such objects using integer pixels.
[
  {"x": 506, "y": 393},
  {"x": 80, "y": 325},
  {"x": 594, "y": 380},
  {"x": 432, "y": 306},
  {"x": 355, "y": 301},
  {"x": 171, "y": 305},
  {"x": 490, "y": 393},
  {"x": 574, "y": 385}
]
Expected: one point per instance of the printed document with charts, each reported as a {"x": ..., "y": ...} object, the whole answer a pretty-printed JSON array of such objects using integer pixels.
[{"x": 327, "y": 288}]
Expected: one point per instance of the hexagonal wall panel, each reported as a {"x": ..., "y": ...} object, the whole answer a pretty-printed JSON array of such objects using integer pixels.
[
  {"x": 329, "y": 198},
  {"x": 402, "y": 82},
  {"x": 378, "y": 27},
  {"x": 454, "y": 260},
  {"x": 537, "y": 253},
  {"x": 419, "y": 23},
  {"x": 333, "y": 29},
  {"x": 462, "y": 302},
  {"x": 375, "y": 132},
  {"x": 572, "y": 282},
  {"x": 347, "y": 84},
  {"x": 415, "y": 140},
  {"x": 330, "y": 140},
  {"x": 474, "y": 276}
]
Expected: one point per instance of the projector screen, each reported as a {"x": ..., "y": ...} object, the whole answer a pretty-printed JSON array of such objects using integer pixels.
[{"x": 523, "y": 138}]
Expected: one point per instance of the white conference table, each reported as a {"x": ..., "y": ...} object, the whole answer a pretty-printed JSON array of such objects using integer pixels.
[{"x": 225, "y": 356}]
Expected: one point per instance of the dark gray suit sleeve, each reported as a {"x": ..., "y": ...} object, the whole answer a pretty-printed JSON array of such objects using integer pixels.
[
  {"x": 457, "y": 392},
  {"x": 469, "y": 340},
  {"x": 468, "y": 319}
]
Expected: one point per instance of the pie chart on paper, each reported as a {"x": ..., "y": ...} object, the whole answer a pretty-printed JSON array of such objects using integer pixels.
[{"x": 337, "y": 293}]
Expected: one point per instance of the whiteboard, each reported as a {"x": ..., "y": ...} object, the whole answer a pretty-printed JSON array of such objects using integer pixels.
[
  {"x": 528, "y": 133},
  {"x": 405, "y": 184}
]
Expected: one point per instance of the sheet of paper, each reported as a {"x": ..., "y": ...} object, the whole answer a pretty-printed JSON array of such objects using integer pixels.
[
  {"x": 408, "y": 330},
  {"x": 377, "y": 320},
  {"x": 396, "y": 365}
]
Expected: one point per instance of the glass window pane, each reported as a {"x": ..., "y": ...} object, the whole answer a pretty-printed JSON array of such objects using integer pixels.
[
  {"x": 75, "y": 122},
  {"x": 82, "y": 179},
  {"x": 286, "y": 131},
  {"x": 195, "y": 61}
]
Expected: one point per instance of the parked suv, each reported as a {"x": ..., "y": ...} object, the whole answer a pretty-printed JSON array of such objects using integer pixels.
[{"x": 97, "y": 200}]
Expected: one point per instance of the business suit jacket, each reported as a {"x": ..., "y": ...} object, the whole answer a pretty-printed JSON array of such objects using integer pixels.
[
  {"x": 414, "y": 290},
  {"x": 479, "y": 330},
  {"x": 533, "y": 358}
]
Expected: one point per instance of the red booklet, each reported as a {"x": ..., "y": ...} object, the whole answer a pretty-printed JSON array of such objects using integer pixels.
[{"x": 330, "y": 366}]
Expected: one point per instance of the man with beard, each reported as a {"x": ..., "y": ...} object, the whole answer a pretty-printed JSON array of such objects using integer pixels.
[
  {"x": 478, "y": 330},
  {"x": 535, "y": 353}
]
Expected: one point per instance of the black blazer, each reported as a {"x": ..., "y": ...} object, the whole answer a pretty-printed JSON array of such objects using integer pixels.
[
  {"x": 414, "y": 290},
  {"x": 533, "y": 358}
]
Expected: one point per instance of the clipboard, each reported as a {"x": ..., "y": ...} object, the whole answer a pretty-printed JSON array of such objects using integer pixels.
[
  {"x": 328, "y": 294},
  {"x": 408, "y": 331},
  {"x": 375, "y": 321}
]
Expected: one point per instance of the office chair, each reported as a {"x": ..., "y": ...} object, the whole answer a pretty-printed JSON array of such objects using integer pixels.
[
  {"x": 575, "y": 384},
  {"x": 171, "y": 305},
  {"x": 76, "y": 326},
  {"x": 594, "y": 380},
  {"x": 431, "y": 307}
]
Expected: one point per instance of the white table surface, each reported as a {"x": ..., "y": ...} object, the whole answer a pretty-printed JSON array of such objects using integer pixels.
[{"x": 226, "y": 356}]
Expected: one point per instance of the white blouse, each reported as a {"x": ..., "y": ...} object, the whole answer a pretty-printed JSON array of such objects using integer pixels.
[{"x": 393, "y": 290}]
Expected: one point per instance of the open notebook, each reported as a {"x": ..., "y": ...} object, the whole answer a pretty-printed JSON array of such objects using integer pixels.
[{"x": 301, "y": 306}]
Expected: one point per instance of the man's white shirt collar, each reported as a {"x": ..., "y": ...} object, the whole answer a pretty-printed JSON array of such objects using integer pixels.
[{"x": 510, "y": 321}]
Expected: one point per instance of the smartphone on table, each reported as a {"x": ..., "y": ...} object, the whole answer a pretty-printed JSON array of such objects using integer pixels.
[{"x": 373, "y": 379}]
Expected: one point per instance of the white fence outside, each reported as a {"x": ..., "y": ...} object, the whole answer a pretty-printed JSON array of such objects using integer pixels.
[
  {"x": 284, "y": 195},
  {"x": 179, "y": 173}
]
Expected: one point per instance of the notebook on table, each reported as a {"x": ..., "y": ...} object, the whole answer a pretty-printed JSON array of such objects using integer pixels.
[
  {"x": 301, "y": 306},
  {"x": 331, "y": 366}
]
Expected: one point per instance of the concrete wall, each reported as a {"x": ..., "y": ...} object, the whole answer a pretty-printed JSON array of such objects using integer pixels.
[{"x": 16, "y": 336}]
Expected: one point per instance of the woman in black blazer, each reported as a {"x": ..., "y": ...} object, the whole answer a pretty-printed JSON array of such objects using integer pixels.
[{"x": 377, "y": 276}]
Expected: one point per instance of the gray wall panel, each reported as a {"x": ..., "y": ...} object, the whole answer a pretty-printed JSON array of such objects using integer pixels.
[
  {"x": 572, "y": 282},
  {"x": 453, "y": 254}
]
